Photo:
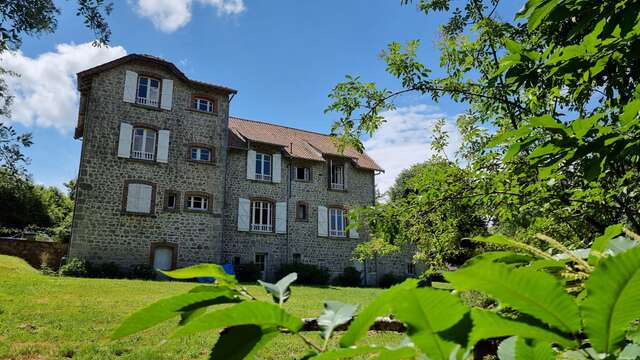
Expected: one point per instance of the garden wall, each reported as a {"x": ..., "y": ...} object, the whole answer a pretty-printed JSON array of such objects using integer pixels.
[{"x": 35, "y": 252}]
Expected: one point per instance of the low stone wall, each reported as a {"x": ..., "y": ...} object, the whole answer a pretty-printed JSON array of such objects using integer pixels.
[{"x": 35, "y": 252}]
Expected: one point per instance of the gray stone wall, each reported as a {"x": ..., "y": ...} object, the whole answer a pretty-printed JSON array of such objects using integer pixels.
[{"x": 101, "y": 232}]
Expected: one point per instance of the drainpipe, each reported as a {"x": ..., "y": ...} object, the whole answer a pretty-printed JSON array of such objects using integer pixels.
[{"x": 287, "y": 249}]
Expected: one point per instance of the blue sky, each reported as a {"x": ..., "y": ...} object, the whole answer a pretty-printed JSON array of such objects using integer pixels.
[{"x": 283, "y": 57}]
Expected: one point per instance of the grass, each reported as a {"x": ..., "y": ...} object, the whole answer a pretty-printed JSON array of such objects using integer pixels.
[{"x": 44, "y": 317}]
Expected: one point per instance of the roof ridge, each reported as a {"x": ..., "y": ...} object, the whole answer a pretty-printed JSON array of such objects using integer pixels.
[{"x": 282, "y": 126}]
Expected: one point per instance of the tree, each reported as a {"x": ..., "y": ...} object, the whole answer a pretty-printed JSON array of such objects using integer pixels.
[{"x": 558, "y": 88}]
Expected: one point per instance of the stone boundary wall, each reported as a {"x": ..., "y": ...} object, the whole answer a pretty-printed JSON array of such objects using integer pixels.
[{"x": 35, "y": 252}]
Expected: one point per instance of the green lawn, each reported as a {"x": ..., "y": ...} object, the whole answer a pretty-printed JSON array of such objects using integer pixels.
[{"x": 44, "y": 317}]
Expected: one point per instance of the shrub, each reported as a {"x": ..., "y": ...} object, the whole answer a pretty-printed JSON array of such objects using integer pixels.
[
  {"x": 142, "y": 271},
  {"x": 74, "y": 267},
  {"x": 247, "y": 272},
  {"x": 388, "y": 280},
  {"x": 308, "y": 274},
  {"x": 105, "y": 271},
  {"x": 350, "y": 277}
]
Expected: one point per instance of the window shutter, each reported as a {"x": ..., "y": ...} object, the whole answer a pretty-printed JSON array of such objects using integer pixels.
[
  {"x": 163, "y": 146},
  {"x": 323, "y": 226},
  {"x": 132, "y": 198},
  {"x": 281, "y": 218},
  {"x": 124, "y": 143},
  {"x": 251, "y": 165},
  {"x": 167, "y": 94},
  {"x": 344, "y": 174},
  {"x": 353, "y": 233},
  {"x": 130, "y": 84},
  {"x": 244, "y": 214},
  {"x": 145, "y": 198},
  {"x": 277, "y": 168}
]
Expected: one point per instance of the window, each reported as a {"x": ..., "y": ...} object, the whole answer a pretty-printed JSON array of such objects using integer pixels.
[
  {"x": 263, "y": 167},
  {"x": 261, "y": 216},
  {"x": 303, "y": 174},
  {"x": 236, "y": 260},
  {"x": 201, "y": 104},
  {"x": 143, "y": 145},
  {"x": 261, "y": 262},
  {"x": 337, "y": 222},
  {"x": 148, "y": 91},
  {"x": 302, "y": 211},
  {"x": 200, "y": 154},
  {"x": 337, "y": 177},
  {"x": 296, "y": 258},
  {"x": 139, "y": 198},
  {"x": 411, "y": 268},
  {"x": 198, "y": 202},
  {"x": 171, "y": 200}
]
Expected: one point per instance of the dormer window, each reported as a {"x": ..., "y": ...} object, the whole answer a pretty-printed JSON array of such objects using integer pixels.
[
  {"x": 148, "y": 92},
  {"x": 202, "y": 104}
]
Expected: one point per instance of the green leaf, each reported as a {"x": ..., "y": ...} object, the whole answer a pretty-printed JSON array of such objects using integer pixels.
[
  {"x": 600, "y": 243},
  {"x": 520, "y": 288},
  {"x": 544, "y": 150},
  {"x": 426, "y": 312},
  {"x": 516, "y": 347},
  {"x": 280, "y": 291},
  {"x": 380, "y": 306},
  {"x": 613, "y": 300},
  {"x": 513, "y": 151},
  {"x": 385, "y": 353},
  {"x": 203, "y": 270},
  {"x": 489, "y": 325},
  {"x": 201, "y": 296},
  {"x": 335, "y": 314},
  {"x": 546, "y": 122},
  {"x": 540, "y": 13},
  {"x": 246, "y": 313},
  {"x": 241, "y": 342},
  {"x": 630, "y": 112}
]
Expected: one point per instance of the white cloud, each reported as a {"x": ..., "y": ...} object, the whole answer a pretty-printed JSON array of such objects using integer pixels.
[
  {"x": 170, "y": 15},
  {"x": 45, "y": 93},
  {"x": 405, "y": 139}
]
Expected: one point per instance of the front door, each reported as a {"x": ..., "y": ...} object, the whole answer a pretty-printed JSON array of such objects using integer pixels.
[
  {"x": 261, "y": 262},
  {"x": 163, "y": 258}
]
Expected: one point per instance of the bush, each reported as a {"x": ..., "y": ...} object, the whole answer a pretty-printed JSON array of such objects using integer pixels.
[
  {"x": 247, "y": 272},
  {"x": 142, "y": 271},
  {"x": 308, "y": 274},
  {"x": 105, "y": 271},
  {"x": 388, "y": 280},
  {"x": 74, "y": 267},
  {"x": 350, "y": 277}
]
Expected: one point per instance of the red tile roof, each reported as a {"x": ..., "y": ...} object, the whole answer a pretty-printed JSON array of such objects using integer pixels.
[{"x": 296, "y": 143}]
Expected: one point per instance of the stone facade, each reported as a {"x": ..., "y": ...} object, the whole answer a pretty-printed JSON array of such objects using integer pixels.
[{"x": 104, "y": 231}]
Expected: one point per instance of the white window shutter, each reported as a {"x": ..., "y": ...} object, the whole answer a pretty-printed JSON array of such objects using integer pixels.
[
  {"x": 323, "y": 225},
  {"x": 244, "y": 214},
  {"x": 277, "y": 168},
  {"x": 251, "y": 165},
  {"x": 145, "y": 198},
  {"x": 344, "y": 174},
  {"x": 124, "y": 143},
  {"x": 167, "y": 94},
  {"x": 132, "y": 197},
  {"x": 281, "y": 218},
  {"x": 163, "y": 146},
  {"x": 130, "y": 84},
  {"x": 353, "y": 233}
]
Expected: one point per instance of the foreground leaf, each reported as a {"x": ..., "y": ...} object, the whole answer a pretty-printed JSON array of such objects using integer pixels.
[
  {"x": 426, "y": 312},
  {"x": 515, "y": 348},
  {"x": 600, "y": 243},
  {"x": 241, "y": 342},
  {"x": 280, "y": 291},
  {"x": 535, "y": 293},
  {"x": 489, "y": 325},
  {"x": 380, "y": 306},
  {"x": 335, "y": 314},
  {"x": 246, "y": 313},
  {"x": 385, "y": 353},
  {"x": 166, "y": 309},
  {"x": 613, "y": 300},
  {"x": 203, "y": 270}
]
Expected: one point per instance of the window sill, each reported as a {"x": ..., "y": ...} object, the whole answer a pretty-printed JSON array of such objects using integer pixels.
[
  {"x": 143, "y": 161},
  {"x": 167, "y": 210},
  {"x": 215, "y": 114},
  {"x": 130, "y": 213},
  {"x": 148, "y": 107},
  {"x": 201, "y": 162},
  {"x": 272, "y": 233},
  {"x": 193, "y": 211},
  {"x": 263, "y": 181},
  {"x": 302, "y": 220},
  {"x": 338, "y": 190},
  {"x": 302, "y": 181}
]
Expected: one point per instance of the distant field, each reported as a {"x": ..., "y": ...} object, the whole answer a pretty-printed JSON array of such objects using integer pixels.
[{"x": 44, "y": 317}]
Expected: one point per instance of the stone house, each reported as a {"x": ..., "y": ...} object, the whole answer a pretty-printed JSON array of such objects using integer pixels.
[{"x": 168, "y": 178}]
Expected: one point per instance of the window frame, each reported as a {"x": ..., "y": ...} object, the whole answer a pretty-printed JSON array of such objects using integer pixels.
[
  {"x": 213, "y": 103},
  {"x": 207, "y": 199},
  {"x": 172, "y": 246},
  {"x": 296, "y": 258},
  {"x": 143, "y": 154},
  {"x": 333, "y": 179},
  {"x": 306, "y": 205},
  {"x": 307, "y": 172},
  {"x": 199, "y": 149},
  {"x": 176, "y": 204},
  {"x": 144, "y": 101},
  {"x": 269, "y": 227},
  {"x": 336, "y": 233},
  {"x": 261, "y": 176},
  {"x": 411, "y": 268},
  {"x": 125, "y": 198}
]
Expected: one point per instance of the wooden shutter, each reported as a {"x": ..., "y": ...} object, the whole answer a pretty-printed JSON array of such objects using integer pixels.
[
  {"x": 130, "y": 84},
  {"x": 281, "y": 218},
  {"x": 166, "y": 98},
  {"x": 132, "y": 197},
  {"x": 323, "y": 225},
  {"x": 144, "y": 204},
  {"x": 163, "y": 146},
  {"x": 124, "y": 143},
  {"x": 251, "y": 165},
  {"x": 344, "y": 175},
  {"x": 244, "y": 214},
  {"x": 277, "y": 168}
]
